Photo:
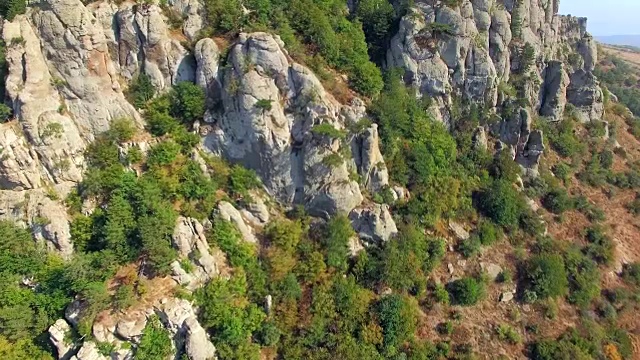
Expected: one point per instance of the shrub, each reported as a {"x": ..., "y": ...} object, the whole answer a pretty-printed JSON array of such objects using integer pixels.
[
  {"x": 502, "y": 203},
  {"x": 488, "y": 233},
  {"x": 562, "y": 171},
  {"x": 407, "y": 259},
  {"x": 224, "y": 15},
  {"x": 377, "y": 17},
  {"x": 187, "y": 102},
  {"x": 445, "y": 328},
  {"x": 141, "y": 90},
  {"x": 466, "y": 291},
  {"x": 631, "y": 273},
  {"x": 163, "y": 153},
  {"x": 366, "y": 79},
  {"x": 10, "y": 8},
  {"x": 546, "y": 276},
  {"x": 557, "y": 201},
  {"x": 336, "y": 239},
  {"x": 121, "y": 130},
  {"x": 241, "y": 180},
  {"x": 508, "y": 334},
  {"x": 606, "y": 159},
  {"x": 601, "y": 247},
  {"x": 228, "y": 314},
  {"x": 398, "y": 318},
  {"x": 634, "y": 206},
  {"x": 470, "y": 246},
  {"x": 124, "y": 297},
  {"x": 584, "y": 278},
  {"x": 155, "y": 342},
  {"x": 264, "y": 105},
  {"x": 328, "y": 130},
  {"x": 5, "y": 113}
]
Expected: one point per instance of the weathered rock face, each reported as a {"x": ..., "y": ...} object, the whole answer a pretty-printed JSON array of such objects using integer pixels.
[
  {"x": 89, "y": 351},
  {"x": 58, "y": 335},
  {"x": 369, "y": 160},
  {"x": 228, "y": 212},
  {"x": 468, "y": 50},
  {"x": 270, "y": 107},
  {"x": 190, "y": 241},
  {"x": 178, "y": 316},
  {"x": 554, "y": 91},
  {"x": 144, "y": 45},
  {"x": 46, "y": 218},
  {"x": 374, "y": 224}
]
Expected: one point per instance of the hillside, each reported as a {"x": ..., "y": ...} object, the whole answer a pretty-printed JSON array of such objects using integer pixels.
[{"x": 298, "y": 179}]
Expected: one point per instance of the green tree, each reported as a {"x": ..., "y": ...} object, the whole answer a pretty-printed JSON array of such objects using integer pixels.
[
  {"x": 187, "y": 102},
  {"x": 141, "y": 90},
  {"x": 225, "y": 310},
  {"x": 466, "y": 291},
  {"x": 502, "y": 203},
  {"x": 155, "y": 342},
  {"x": 546, "y": 276},
  {"x": 336, "y": 240},
  {"x": 5, "y": 113},
  {"x": 398, "y": 317},
  {"x": 377, "y": 17},
  {"x": 408, "y": 259}
]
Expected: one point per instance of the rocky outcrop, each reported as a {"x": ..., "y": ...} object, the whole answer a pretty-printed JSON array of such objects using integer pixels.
[
  {"x": 45, "y": 217},
  {"x": 89, "y": 351},
  {"x": 178, "y": 316},
  {"x": 131, "y": 326},
  {"x": 270, "y": 107},
  {"x": 374, "y": 224},
  {"x": 190, "y": 11},
  {"x": 197, "y": 344},
  {"x": 585, "y": 93},
  {"x": 190, "y": 241},
  {"x": 369, "y": 160},
  {"x": 554, "y": 91},
  {"x": 145, "y": 45},
  {"x": 470, "y": 49},
  {"x": 58, "y": 335},
  {"x": 207, "y": 57},
  {"x": 516, "y": 136},
  {"x": 228, "y": 212},
  {"x": 124, "y": 331}
]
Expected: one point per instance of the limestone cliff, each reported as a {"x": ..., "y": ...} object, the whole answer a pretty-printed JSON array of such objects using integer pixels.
[{"x": 70, "y": 63}]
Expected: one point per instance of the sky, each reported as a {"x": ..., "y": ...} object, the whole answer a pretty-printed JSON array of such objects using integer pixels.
[{"x": 606, "y": 17}]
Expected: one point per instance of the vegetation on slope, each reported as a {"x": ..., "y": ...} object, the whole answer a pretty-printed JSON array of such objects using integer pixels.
[{"x": 325, "y": 303}]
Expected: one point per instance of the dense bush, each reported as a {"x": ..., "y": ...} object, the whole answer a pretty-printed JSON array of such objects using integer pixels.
[
  {"x": 331, "y": 35},
  {"x": 187, "y": 102},
  {"x": 600, "y": 248},
  {"x": 155, "y": 342},
  {"x": 466, "y": 291},
  {"x": 631, "y": 273},
  {"x": 584, "y": 278},
  {"x": 398, "y": 318},
  {"x": 420, "y": 153},
  {"x": 232, "y": 319},
  {"x": 10, "y": 8},
  {"x": 141, "y": 90},
  {"x": 546, "y": 276},
  {"x": 502, "y": 203},
  {"x": 407, "y": 259},
  {"x": 557, "y": 201}
]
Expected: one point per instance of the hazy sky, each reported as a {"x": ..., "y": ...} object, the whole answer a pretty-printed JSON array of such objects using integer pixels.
[{"x": 606, "y": 17}]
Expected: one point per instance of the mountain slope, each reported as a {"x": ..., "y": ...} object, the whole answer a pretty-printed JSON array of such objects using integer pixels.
[{"x": 225, "y": 179}]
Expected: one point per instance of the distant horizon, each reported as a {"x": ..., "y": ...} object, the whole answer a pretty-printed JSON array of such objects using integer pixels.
[{"x": 611, "y": 18}]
